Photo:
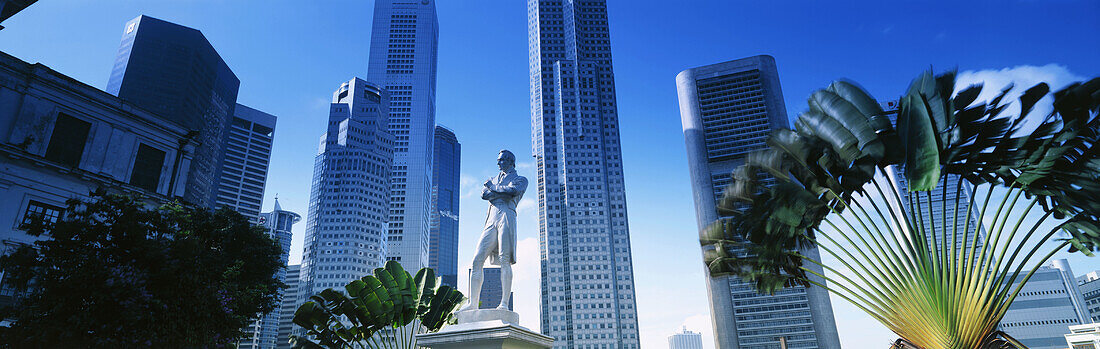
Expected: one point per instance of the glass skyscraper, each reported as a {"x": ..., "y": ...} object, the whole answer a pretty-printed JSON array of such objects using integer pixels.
[
  {"x": 587, "y": 273},
  {"x": 173, "y": 71},
  {"x": 264, "y": 332},
  {"x": 443, "y": 253},
  {"x": 403, "y": 48},
  {"x": 247, "y": 154},
  {"x": 728, "y": 111},
  {"x": 288, "y": 306},
  {"x": 349, "y": 197}
]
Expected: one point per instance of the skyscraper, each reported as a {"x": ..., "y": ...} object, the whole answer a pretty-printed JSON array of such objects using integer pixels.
[
  {"x": 443, "y": 253},
  {"x": 288, "y": 306},
  {"x": 173, "y": 71},
  {"x": 264, "y": 332},
  {"x": 685, "y": 340},
  {"x": 247, "y": 154},
  {"x": 728, "y": 111},
  {"x": 403, "y": 61},
  {"x": 1046, "y": 306},
  {"x": 349, "y": 198},
  {"x": 587, "y": 273}
]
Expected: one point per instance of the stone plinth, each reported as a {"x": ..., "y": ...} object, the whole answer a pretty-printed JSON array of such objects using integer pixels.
[
  {"x": 479, "y": 315},
  {"x": 492, "y": 334}
]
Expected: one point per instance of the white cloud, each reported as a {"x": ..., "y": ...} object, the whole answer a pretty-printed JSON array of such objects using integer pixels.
[{"x": 1022, "y": 77}]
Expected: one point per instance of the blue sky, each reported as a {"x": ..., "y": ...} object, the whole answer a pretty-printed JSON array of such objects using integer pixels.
[{"x": 291, "y": 55}]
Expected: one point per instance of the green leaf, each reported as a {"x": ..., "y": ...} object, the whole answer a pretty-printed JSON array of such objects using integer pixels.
[{"x": 922, "y": 166}]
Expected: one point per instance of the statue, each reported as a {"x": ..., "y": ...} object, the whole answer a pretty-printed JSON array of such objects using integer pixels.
[{"x": 498, "y": 238}]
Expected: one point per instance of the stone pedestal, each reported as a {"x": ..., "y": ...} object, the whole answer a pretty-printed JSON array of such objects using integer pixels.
[{"x": 485, "y": 329}]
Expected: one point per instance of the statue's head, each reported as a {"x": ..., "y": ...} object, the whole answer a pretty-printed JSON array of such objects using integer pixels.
[{"x": 506, "y": 160}]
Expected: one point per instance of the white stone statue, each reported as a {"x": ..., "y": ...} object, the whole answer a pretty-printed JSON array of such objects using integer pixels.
[{"x": 498, "y": 238}]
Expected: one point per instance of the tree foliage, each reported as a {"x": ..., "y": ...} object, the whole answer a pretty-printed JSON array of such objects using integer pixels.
[
  {"x": 898, "y": 264},
  {"x": 114, "y": 273},
  {"x": 384, "y": 310}
]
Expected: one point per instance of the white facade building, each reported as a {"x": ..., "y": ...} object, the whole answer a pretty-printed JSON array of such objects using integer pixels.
[
  {"x": 349, "y": 198},
  {"x": 1085, "y": 336},
  {"x": 403, "y": 57},
  {"x": 587, "y": 270},
  {"x": 685, "y": 340}
]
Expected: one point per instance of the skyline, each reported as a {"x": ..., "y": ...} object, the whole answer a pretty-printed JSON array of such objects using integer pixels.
[{"x": 646, "y": 65}]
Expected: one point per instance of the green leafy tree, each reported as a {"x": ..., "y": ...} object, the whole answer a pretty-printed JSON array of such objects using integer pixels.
[
  {"x": 384, "y": 310},
  {"x": 114, "y": 273},
  {"x": 834, "y": 191}
]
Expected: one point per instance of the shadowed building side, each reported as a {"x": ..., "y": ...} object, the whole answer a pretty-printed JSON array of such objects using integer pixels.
[{"x": 728, "y": 111}]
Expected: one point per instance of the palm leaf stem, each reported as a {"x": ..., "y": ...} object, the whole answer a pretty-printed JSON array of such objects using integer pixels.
[
  {"x": 989, "y": 298},
  {"x": 848, "y": 294},
  {"x": 880, "y": 277},
  {"x": 892, "y": 308},
  {"x": 841, "y": 295},
  {"x": 895, "y": 283},
  {"x": 1012, "y": 296},
  {"x": 890, "y": 255},
  {"x": 977, "y": 281},
  {"x": 896, "y": 222}
]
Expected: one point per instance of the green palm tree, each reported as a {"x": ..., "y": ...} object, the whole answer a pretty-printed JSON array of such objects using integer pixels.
[
  {"x": 834, "y": 190},
  {"x": 384, "y": 310}
]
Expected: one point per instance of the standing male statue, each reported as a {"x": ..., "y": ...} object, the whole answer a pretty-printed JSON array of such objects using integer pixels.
[{"x": 498, "y": 239}]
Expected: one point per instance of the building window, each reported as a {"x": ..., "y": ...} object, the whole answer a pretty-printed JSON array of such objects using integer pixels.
[
  {"x": 67, "y": 141},
  {"x": 147, "y": 165},
  {"x": 48, "y": 214}
]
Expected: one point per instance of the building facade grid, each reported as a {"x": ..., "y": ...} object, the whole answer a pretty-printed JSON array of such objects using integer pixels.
[{"x": 587, "y": 284}]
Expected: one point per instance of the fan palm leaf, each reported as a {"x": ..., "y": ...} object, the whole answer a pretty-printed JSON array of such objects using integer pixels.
[{"x": 835, "y": 189}]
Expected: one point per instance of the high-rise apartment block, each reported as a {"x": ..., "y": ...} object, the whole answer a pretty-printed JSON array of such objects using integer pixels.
[
  {"x": 587, "y": 270},
  {"x": 685, "y": 340},
  {"x": 1046, "y": 306},
  {"x": 264, "y": 332},
  {"x": 288, "y": 306},
  {"x": 349, "y": 198},
  {"x": 247, "y": 154},
  {"x": 728, "y": 110},
  {"x": 173, "y": 71},
  {"x": 443, "y": 251},
  {"x": 403, "y": 47}
]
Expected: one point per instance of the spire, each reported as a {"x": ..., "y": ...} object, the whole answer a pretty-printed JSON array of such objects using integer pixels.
[{"x": 277, "y": 207}]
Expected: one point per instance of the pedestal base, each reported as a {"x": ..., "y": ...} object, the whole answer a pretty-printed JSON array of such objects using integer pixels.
[
  {"x": 479, "y": 315},
  {"x": 495, "y": 334}
]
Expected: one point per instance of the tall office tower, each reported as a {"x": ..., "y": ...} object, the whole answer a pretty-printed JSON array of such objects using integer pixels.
[
  {"x": 349, "y": 199},
  {"x": 728, "y": 110},
  {"x": 403, "y": 61},
  {"x": 685, "y": 340},
  {"x": 288, "y": 306},
  {"x": 1047, "y": 305},
  {"x": 247, "y": 153},
  {"x": 1089, "y": 284},
  {"x": 264, "y": 333},
  {"x": 173, "y": 71},
  {"x": 443, "y": 254},
  {"x": 587, "y": 270},
  {"x": 491, "y": 289}
]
